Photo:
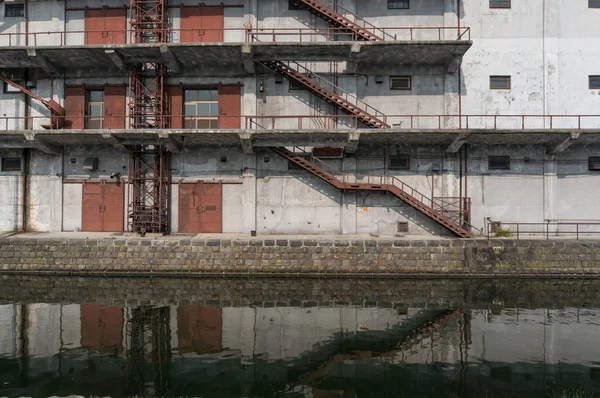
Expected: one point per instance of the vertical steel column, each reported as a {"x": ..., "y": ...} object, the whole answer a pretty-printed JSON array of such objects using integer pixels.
[{"x": 149, "y": 165}]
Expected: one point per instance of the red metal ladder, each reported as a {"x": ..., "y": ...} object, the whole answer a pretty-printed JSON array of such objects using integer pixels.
[{"x": 393, "y": 185}]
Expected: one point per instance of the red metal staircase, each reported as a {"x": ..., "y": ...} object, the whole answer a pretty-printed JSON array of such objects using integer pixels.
[
  {"x": 441, "y": 210},
  {"x": 329, "y": 92},
  {"x": 343, "y": 19}
]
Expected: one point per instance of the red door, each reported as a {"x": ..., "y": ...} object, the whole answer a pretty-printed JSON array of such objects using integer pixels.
[
  {"x": 103, "y": 208},
  {"x": 101, "y": 327},
  {"x": 201, "y": 24},
  {"x": 229, "y": 107},
  {"x": 200, "y": 208},
  {"x": 74, "y": 107},
  {"x": 199, "y": 329},
  {"x": 175, "y": 95},
  {"x": 105, "y": 26},
  {"x": 114, "y": 107}
]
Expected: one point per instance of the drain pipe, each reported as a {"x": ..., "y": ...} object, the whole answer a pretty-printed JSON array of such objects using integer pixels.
[{"x": 26, "y": 20}]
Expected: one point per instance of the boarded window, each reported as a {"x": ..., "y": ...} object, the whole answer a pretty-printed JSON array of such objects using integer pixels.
[
  {"x": 201, "y": 109},
  {"x": 594, "y": 3},
  {"x": 11, "y": 164},
  {"x": 398, "y": 162},
  {"x": 594, "y": 163},
  {"x": 94, "y": 109},
  {"x": 14, "y": 10},
  {"x": 499, "y": 3},
  {"x": 499, "y": 163},
  {"x": 398, "y": 4},
  {"x": 400, "y": 83},
  {"x": 500, "y": 82},
  {"x": 595, "y": 82}
]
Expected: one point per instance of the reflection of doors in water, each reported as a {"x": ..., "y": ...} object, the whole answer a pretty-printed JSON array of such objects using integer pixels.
[
  {"x": 101, "y": 327},
  {"x": 199, "y": 329},
  {"x": 102, "y": 207},
  {"x": 200, "y": 208}
]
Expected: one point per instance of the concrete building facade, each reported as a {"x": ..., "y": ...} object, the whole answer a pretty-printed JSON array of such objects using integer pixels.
[{"x": 482, "y": 108}]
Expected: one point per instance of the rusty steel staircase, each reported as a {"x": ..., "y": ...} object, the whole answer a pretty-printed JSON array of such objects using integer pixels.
[
  {"x": 343, "y": 19},
  {"x": 324, "y": 89},
  {"x": 442, "y": 210}
]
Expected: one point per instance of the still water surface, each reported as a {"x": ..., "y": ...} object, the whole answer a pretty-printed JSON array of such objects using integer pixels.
[{"x": 164, "y": 344}]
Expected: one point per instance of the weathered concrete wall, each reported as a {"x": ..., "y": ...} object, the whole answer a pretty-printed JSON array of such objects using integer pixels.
[{"x": 269, "y": 257}]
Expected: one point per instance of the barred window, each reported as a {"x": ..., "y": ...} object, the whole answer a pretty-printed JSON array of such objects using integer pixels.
[
  {"x": 499, "y": 3},
  {"x": 398, "y": 4},
  {"x": 14, "y": 10}
]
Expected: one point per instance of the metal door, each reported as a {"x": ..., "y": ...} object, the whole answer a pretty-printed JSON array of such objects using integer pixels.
[
  {"x": 201, "y": 24},
  {"x": 229, "y": 106},
  {"x": 200, "y": 208},
  {"x": 102, "y": 209},
  {"x": 114, "y": 107},
  {"x": 105, "y": 26},
  {"x": 74, "y": 107}
]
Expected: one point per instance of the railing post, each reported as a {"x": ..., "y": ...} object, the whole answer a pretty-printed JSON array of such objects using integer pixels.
[
  {"x": 547, "y": 230},
  {"x": 579, "y": 122},
  {"x": 523, "y": 122},
  {"x": 517, "y": 231},
  {"x": 577, "y": 227},
  {"x": 551, "y": 122}
]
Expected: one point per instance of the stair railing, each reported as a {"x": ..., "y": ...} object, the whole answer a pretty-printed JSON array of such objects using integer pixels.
[
  {"x": 329, "y": 86},
  {"x": 355, "y": 19}
]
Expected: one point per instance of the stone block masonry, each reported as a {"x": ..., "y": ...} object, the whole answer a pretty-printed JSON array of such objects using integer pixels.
[{"x": 271, "y": 257}]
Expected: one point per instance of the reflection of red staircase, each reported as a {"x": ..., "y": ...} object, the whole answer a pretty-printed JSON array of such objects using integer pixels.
[
  {"x": 343, "y": 19},
  {"x": 329, "y": 92},
  {"x": 433, "y": 208}
]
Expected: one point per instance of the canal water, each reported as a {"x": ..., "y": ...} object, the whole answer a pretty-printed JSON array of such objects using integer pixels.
[{"x": 316, "y": 338}]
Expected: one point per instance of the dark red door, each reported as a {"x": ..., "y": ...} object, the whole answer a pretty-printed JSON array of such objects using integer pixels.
[
  {"x": 199, "y": 329},
  {"x": 114, "y": 107},
  {"x": 103, "y": 208},
  {"x": 200, "y": 208},
  {"x": 105, "y": 26},
  {"x": 74, "y": 107},
  {"x": 201, "y": 24},
  {"x": 175, "y": 94},
  {"x": 101, "y": 327},
  {"x": 229, "y": 107}
]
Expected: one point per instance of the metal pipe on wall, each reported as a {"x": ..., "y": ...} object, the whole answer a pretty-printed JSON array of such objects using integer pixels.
[{"x": 26, "y": 20}]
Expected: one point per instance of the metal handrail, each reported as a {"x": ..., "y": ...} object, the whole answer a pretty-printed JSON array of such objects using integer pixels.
[{"x": 517, "y": 229}]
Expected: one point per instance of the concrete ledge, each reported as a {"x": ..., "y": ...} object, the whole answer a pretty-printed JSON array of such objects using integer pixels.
[{"x": 273, "y": 257}]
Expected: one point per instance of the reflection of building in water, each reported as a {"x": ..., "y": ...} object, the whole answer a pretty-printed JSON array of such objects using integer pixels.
[{"x": 313, "y": 351}]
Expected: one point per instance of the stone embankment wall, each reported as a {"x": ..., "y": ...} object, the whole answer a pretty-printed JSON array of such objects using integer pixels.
[{"x": 308, "y": 257}]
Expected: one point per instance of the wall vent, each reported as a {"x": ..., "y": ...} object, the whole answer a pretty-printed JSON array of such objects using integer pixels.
[{"x": 402, "y": 227}]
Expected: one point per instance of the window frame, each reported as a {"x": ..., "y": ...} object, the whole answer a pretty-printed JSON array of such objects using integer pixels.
[
  {"x": 498, "y": 4},
  {"x": 14, "y": 6},
  {"x": 89, "y": 103},
  {"x": 592, "y": 160},
  {"x": 398, "y": 4},
  {"x": 196, "y": 118},
  {"x": 406, "y": 78},
  {"x": 389, "y": 162},
  {"x": 596, "y": 82},
  {"x": 497, "y": 158},
  {"x": 508, "y": 79},
  {"x": 9, "y": 169}
]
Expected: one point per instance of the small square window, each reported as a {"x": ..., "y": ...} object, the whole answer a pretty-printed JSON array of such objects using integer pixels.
[
  {"x": 594, "y": 163},
  {"x": 14, "y": 10},
  {"x": 295, "y": 5},
  {"x": 400, "y": 83},
  {"x": 499, "y": 3},
  {"x": 398, "y": 4},
  {"x": 8, "y": 89},
  {"x": 11, "y": 164},
  {"x": 398, "y": 162},
  {"x": 594, "y": 3},
  {"x": 500, "y": 82},
  {"x": 499, "y": 163},
  {"x": 595, "y": 82}
]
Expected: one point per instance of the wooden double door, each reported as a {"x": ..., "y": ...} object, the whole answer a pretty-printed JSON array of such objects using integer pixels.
[
  {"x": 103, "y": 208},
  {"x": 200, "y": 208}
]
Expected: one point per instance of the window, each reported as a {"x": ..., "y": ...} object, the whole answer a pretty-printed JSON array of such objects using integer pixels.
[
  {"x": 8, "y": 89},
  {"x": 500, "y": 82},
  {"x": 499, "y": 3},
  {"x": 14, "y": 10},
  {"x": 296, "y": 85},
  {"x": 594, "y": 163},
  {"x": 94, "y": 109},
  {"x": 499, "y": 163},
  {"x": 398, "y": 4},
  {"x": 201, "y": 109},
  {"x": 11, "y": 164},
  {"x": 594, "y": 3},
  {"x": 400, "y": 83},
  {"x": 595, "y": 82},
  {"x": 398, "y": 162},
  {"x": 294, "y": 5}
]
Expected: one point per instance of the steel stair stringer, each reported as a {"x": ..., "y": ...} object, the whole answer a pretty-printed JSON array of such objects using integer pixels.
[
  {"x": 393, "y": 189},
  {"x": 322, "y": 88}
]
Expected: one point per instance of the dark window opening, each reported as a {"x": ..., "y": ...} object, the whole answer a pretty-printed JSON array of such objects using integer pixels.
[
  {"x": 294, "y": 5},
  {"x": 201, "y": 109},
  {"x": 398, "y": 162},
  {"x": 14, "y": 10},
  {"x": 595, "y": 82},
  {"x": 400, "y": 83},
  {"x": 499, "y": 163},
  {"x": 594, "y": 3},
  {"x": 594, "y": 163},
  {"x": 11, "y": 164},
  {"x": 499, "y": 3},
  {"x": 398, "y": 4},
  {"x": 500, "y": 82},
  {"x": 94, "y": 109},
  {"x": 296, "y": 85}
]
